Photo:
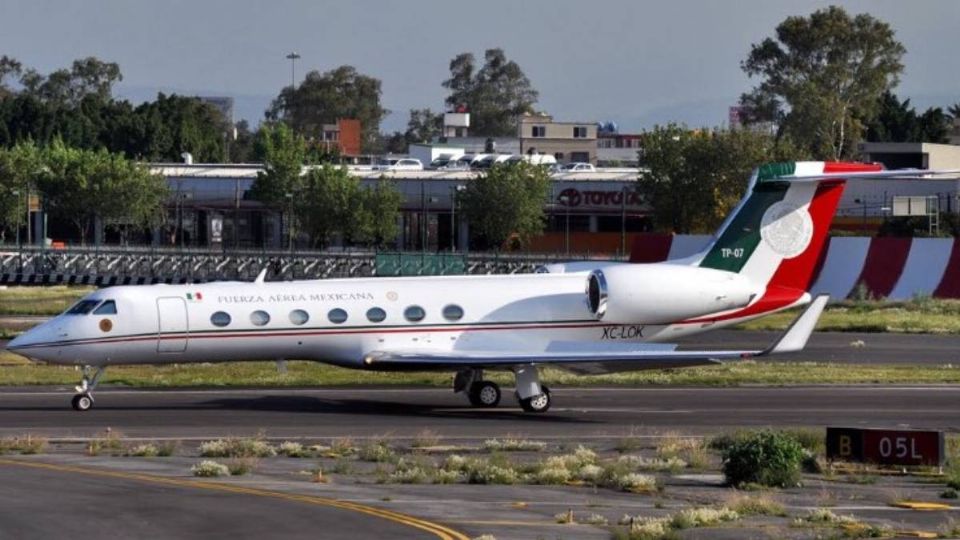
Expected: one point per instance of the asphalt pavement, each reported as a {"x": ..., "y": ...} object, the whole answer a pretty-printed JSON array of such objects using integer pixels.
[{"x": 403, "y": 412}]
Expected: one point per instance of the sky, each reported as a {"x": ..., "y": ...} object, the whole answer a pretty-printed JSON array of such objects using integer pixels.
[{"x": 636, "y": 63}]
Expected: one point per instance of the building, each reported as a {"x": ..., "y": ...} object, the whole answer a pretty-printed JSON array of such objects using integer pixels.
[
  {"x": 456, "y": 124},
  {"x": 618, "y": 149},
  {"x": 344, "y": 137},
  {"x": 569, "y": 142}
]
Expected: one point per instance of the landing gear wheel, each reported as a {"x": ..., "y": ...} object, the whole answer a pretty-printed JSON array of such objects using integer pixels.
[
  {"x": 484, "y": 394},
  {"x": 537, "y": 404},
  {"x": 82, "y": 402}
]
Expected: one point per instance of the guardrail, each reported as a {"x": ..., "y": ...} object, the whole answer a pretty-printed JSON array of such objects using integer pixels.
[{"x": 140, "y": 265}]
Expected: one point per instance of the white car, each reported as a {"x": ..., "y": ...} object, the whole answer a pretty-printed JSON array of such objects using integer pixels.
[
  {"x": 577, "y": 167},
  {"x": 400, "y": 164}
]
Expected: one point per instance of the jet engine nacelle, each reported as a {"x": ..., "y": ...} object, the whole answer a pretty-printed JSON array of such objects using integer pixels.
[{"x": 664, "y": 293}]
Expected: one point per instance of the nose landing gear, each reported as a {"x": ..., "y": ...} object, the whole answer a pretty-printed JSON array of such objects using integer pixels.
[{"x": 83, "y": 401}]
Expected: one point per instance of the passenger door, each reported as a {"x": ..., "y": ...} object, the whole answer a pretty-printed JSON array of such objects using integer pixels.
[{"x": 173, "y": 328}]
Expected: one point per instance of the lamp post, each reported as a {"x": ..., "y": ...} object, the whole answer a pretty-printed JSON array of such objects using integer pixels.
[
  {"x": 565, "y": 199},
  {"x": 289, "y": 221},
  {"x": 454, "y": 198},
  {"x": 293, "y": 57}
]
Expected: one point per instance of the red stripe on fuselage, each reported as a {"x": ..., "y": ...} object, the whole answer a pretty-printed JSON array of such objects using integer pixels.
[
  {"x": 849, "y": 167},
  {"x": 884, "y": 264}
]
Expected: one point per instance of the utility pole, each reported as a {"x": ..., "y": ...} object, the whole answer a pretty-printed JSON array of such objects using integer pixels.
[{"x": 293, "y": 57}]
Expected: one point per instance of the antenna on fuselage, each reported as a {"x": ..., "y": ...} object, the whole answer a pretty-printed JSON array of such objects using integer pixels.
[{"x": 261, "y": 277}]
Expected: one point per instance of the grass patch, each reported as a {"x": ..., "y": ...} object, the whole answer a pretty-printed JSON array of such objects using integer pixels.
[
  {"x": 920, "y": 315},
  {"x": 237, "y": 448},
  {"x": 655, "y": 528},
  {"x": 17, "y": 371},
  {"x": 51, "y": 300},
  {"x": 756, "y": 505},
  {"x": 25, "y": 445},
  {"x": 513, "y": 445},
  {"x": 111, "y": 443},
  {"x": 210, "y": 469},
  {"x": 767, "y": 458}
]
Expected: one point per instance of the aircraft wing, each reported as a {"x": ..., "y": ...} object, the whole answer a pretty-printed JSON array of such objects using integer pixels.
[{"x": 592, "y": 357}]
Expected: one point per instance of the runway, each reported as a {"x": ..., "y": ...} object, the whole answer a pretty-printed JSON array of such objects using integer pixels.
[{"x": 403, "y": 412}]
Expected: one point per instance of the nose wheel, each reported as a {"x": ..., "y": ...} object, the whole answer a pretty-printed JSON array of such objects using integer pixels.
[{"x": 83, "y": 401}]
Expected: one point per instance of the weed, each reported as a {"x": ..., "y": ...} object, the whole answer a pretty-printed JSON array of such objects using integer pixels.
[
  {"x": 757, "y": 505},
  {"x": 110, "y": 443},
  {"x": 425, "y": 439},
  {"x": 565, "y": 518},
  {"x": 485, "y": 472},
  {"x": 342, "y": 446},
  {"x": 208, "y": 468},
  {"x": 594, "y": 519},
  {"x": 27, "y": 444},
  {"x": 690, "y": 518},
  {"x": 143, "y": 450},
  {"x": 949, "y": 493},
  {"x": 767, "y": 458},
  {"x": 673, "y": 445},
  {"x": 166, "y": 448},
  {"x": 237, "y": 448},
  {"x": 241, "y": 466},
  {"x": 292, "y": 449},
  {"x": 377, "y": 452},
  {"x": 444, "y": 476},
  {"x": 513, "y": 445},
  {"x": 342, "y": 466},
  {"x": 635, "y": 482}
]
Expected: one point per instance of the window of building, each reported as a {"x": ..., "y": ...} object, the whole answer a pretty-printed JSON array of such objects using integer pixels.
[
  {"x": 337, "y": 316},
  {"x": 220, "y": 318},
  {"x": 376, "y": 314},
  {"x": 107, "y": 308},
  {"x": 414, "y": 313},
  {"x": 579, "y": 132},
  {"x": 558, "y": 156},
  {"x": 539, "y": 131},
  {"x": 259, "y": 317},
  {"x": 452, "y": 312},
  {"x": 299, "y": 316}
]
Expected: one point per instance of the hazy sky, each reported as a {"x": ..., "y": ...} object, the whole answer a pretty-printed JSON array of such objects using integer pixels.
[{"x": 633, "y": 62}]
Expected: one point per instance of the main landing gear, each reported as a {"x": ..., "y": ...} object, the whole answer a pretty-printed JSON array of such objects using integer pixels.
[
  {"x": 83, "y": 401},
  {"x": 532, "y": 396}
]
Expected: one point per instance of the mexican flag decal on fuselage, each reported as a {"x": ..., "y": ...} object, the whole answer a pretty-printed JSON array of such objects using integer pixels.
[{"x": 195, "y": 296}]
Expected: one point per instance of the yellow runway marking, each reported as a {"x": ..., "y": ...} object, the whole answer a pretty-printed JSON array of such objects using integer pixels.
[{"x": 440, "y": 531}]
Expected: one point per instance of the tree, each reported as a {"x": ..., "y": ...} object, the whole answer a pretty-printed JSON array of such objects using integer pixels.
[
  {"x": 81, "y": 186},
  {"x": 495, "y": 96},
  {"x": 696, "y": 177},
  {"x": 8, "y": 66},
  {"x": 381, "y": 206},
  {"x": 331, "y": 202},
  {"x": 323, "y": 98},
  {"x": 822, "y": 78},
  {"x": 165, "y": 128},
  {"x": 86, "y": 77},
  {"x": 283, "y": 153},
  {"x": 506, "y": 200},
  {"x": 424, "y": 125},
  {"x": 897, "y": 121},
  {"x": 241, "y": 149},
  {"x": 20, "y": 168}
]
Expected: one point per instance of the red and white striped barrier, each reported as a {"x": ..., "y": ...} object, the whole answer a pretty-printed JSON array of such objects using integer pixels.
[{"x": 894, "y": 268}]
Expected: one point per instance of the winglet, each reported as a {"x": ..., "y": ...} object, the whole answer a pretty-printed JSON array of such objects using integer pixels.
[
  {"x": 261, "y": 277},
  {"x": 796, "y": 336}
]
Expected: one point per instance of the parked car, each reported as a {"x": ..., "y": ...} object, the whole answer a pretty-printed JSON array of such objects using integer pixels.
[
  {"x": 449, "y": 164},
  {"x": 400, "y": 164},
  {"x": 577, "y": 167}
]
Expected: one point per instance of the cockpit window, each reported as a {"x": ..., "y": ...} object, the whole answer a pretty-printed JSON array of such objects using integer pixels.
[
  {"x": 107, "y": 308},
  {"x": 83, "y": 307}
]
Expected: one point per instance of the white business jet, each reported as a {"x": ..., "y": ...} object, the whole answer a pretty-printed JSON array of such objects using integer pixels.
[{"x": 586, "y": 319}]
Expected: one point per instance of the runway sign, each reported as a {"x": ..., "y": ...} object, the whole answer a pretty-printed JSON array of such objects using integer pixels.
[{"x": 886, "y": 446}]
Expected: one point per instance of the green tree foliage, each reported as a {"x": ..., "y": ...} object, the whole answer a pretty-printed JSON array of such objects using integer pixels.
[
  {"x": 495, "y": 95},
  {"x": 822, "y": 78},
  {"x": 323, "y": 98},
  {"x": 381, "y": 207},
  {"x": 506, "y": 200},
  {"x": 76, "y": 107},
  {"x": 331, "y": 202},
  {"x": 81, "y": 185},
  {"x": 696, "y": 177},
  {"x": 424, "y": 125},
  {"x": 897, "y": 121},
  {"x": 283, "y": 153},
  {"x": 241, "y": 148},
  {"x": 20, "y": 168}
]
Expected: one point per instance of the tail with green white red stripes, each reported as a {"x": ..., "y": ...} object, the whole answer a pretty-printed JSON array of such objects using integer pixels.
[{"x": 777, "y": 234}]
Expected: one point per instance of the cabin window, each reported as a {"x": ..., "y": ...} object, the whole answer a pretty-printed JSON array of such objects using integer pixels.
[
  {"x": 452, "y": 312},
  {"x": 83, "y": 307},
  {"x": 338, "y": 316},
  {"x": 259, "y": 317},
  {"x": 299, "y": 316},
  {"x": 107, "y": 308},
  {"x": 414, "y": 313},
  {"x": 220, "y": 318},
  {"x": 376, "y": 314}
]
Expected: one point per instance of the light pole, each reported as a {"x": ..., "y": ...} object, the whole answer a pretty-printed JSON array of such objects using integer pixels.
[
  {"x": 290, "y": 221},
  {"x": 454, "y": 198},
  {"x": 565, "y": 199},
  {"x": 293, "y": 57}
]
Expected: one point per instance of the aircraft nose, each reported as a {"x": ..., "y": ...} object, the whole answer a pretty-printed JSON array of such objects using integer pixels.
[
  {"x": 22, "y": 343},
  {"x": 17, "y": 343}
]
